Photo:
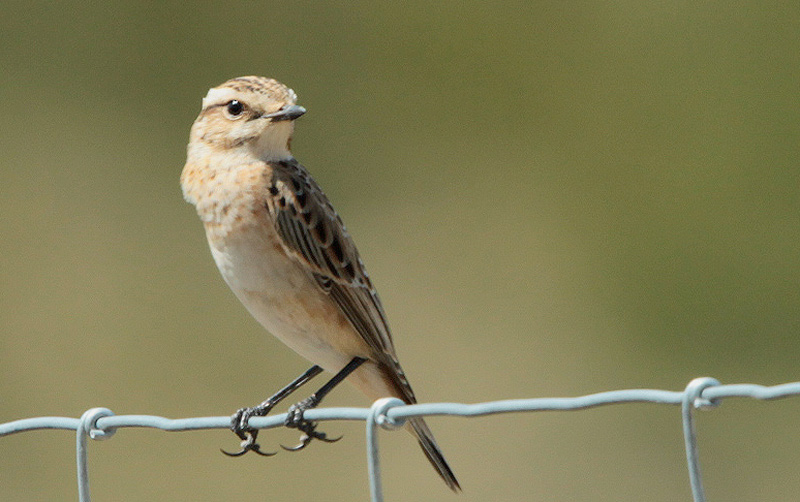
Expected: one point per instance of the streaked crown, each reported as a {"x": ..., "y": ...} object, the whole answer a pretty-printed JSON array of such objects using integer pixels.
[{"x": 269, "y": 90}]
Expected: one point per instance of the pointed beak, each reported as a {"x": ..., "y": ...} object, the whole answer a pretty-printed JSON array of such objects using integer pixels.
[{"x": 289, "y": 112}]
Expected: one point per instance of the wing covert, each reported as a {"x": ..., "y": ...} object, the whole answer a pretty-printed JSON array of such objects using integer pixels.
[{"x": 313, "y": 233}]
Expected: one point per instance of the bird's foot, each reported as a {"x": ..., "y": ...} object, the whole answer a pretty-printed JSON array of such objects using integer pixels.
[
  {"x": 248, "y": 435},
  {"x": 295, "y": 420}
]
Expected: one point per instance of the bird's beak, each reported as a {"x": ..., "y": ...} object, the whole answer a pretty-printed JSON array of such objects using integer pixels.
[{"x": 289, "y": 112}]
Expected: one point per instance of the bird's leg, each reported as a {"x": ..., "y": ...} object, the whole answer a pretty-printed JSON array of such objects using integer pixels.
[
  {"x": 295, "y": 420},
  {"x": 239, "y": 420}
]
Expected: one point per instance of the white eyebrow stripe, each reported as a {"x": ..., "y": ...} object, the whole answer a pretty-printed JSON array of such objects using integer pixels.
[{"x": 218, "y": 96}]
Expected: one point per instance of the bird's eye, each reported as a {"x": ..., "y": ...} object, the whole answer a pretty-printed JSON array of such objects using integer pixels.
[{"x": 234, "y": 108}]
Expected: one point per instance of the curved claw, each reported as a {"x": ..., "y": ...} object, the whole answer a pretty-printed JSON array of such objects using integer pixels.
[
  {"x": 306, "y": 438},
  {"x": 240, "y": 427},
  {"x": 310, "y": 432},
  {"x": 256, "y": 449},
  {"x": 329, "y": 440},
  {"x": 248, "y": 441},
  {"x": 249, "y": 444}
]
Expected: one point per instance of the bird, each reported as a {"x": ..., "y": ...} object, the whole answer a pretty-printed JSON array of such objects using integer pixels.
[{"x": 285, "y": 253}]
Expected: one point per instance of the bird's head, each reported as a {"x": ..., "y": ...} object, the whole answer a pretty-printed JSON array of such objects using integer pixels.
[{"x": 253, "y": 114}]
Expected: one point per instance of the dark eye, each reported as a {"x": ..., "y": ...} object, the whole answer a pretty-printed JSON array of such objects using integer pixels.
[{"x": 234, "y": 108}]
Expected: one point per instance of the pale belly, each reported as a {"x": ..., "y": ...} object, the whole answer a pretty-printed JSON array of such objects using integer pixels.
[{"x": 284, "y": 298}]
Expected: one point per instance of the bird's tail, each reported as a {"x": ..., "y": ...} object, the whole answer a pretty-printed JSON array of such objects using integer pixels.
[
  {"x": 428, "y": 443},
  {"x": 387, "y": 378}
]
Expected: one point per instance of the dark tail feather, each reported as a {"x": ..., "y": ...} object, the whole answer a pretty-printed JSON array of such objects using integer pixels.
[{"x": 434, "y": 454}]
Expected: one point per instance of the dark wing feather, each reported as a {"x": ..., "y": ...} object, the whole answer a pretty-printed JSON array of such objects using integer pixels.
[{"x": 314, "y": 234}]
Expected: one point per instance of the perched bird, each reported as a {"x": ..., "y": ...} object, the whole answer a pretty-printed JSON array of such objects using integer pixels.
[{"x": 287, "y": 256}]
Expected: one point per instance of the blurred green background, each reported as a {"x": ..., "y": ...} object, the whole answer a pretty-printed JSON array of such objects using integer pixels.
[{"x": 553, "y": 198}]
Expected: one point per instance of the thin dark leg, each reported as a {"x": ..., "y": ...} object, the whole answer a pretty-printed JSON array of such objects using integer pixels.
[
  {"x": 239, "y": 419},
  {"x": 284, "y": 392},
  {"x": 295, "y": 418}
]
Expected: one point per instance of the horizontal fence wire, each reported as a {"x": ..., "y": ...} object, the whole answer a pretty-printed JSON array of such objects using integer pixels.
[{"x": 391, "y": 413}]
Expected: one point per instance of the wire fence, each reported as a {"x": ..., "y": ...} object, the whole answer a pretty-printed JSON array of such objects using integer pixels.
[{"x": 391, "y": 413}]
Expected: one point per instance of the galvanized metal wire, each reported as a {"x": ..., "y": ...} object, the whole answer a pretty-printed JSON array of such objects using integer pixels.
[{"x": 391, "y": 413}]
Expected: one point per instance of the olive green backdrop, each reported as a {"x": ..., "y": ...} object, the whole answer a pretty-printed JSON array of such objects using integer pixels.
[{"x": 553, "y": 198}]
